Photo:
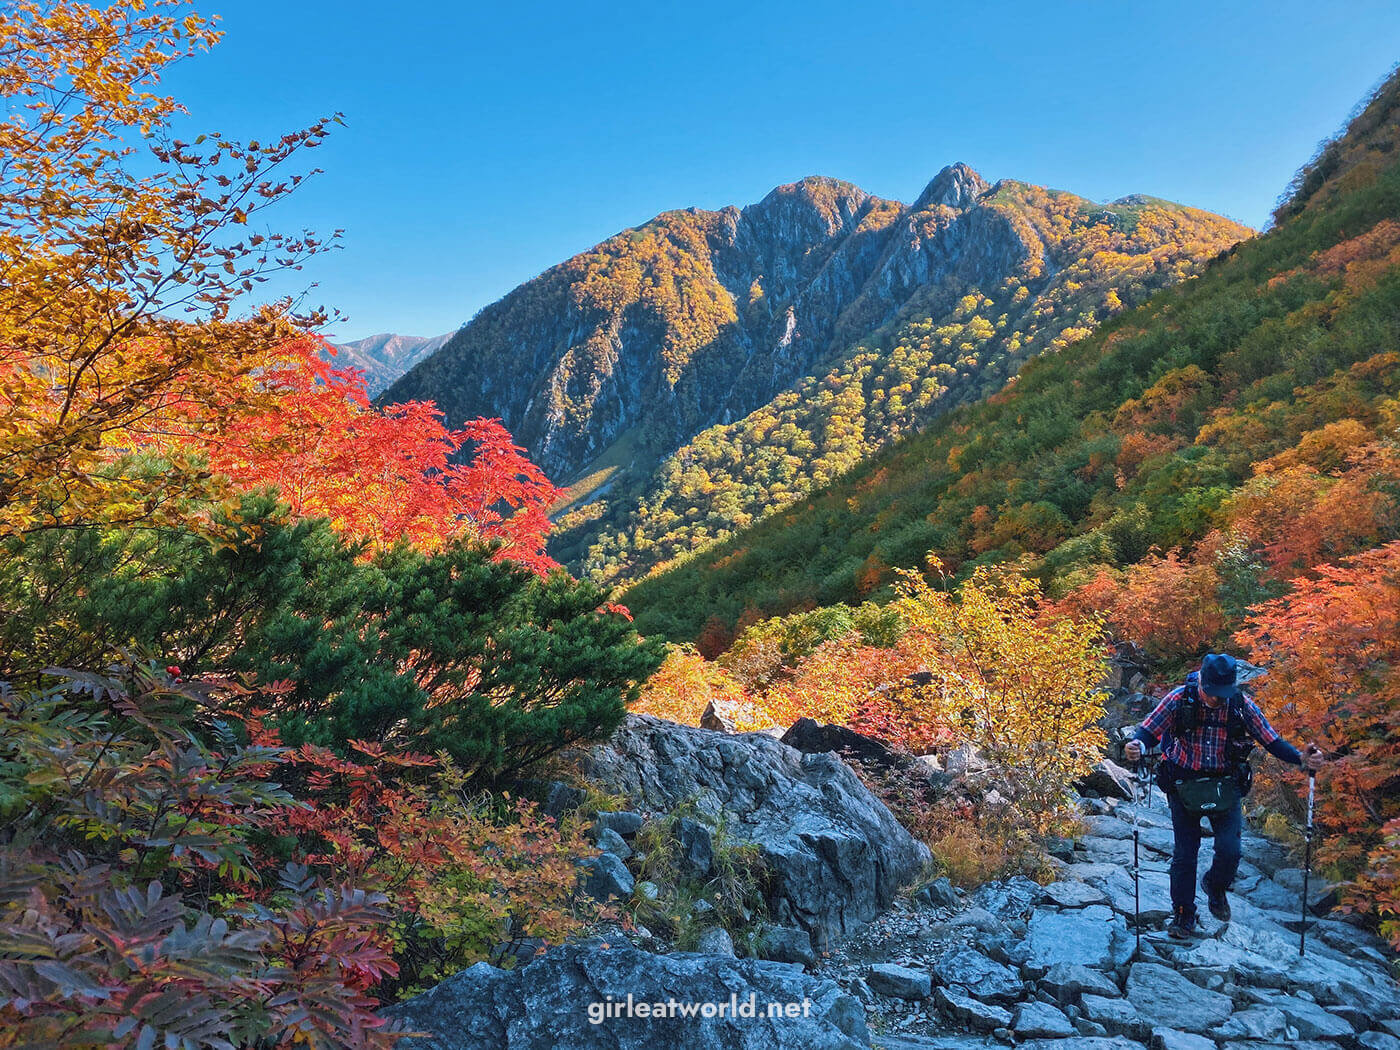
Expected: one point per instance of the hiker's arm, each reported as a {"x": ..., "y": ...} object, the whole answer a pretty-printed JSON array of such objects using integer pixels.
[
  {"x": 1149, "y": 732},
  {"x": 1267, "y": 735},
  {"x": 1282, "y": 750}
]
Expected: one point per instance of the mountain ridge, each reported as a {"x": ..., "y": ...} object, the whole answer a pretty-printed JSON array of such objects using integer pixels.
[
  {"x": 385, "y": 356},
  {"x": 612, "y": 361}
]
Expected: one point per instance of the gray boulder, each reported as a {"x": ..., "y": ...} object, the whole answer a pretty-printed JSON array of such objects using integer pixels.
[
  {"x": 1118, "y": 1016},
  {"x": 1166, "y": 999},
  {"x": 813, "y": 738},
  {"x": 1171, "y": 1039},
  {"x": 1258, "y": 1022},
  {"x": 835, "y": 853},
  {"x": 1082, "y": 1042},
  {"x": 548, "y": 1002},
  {"x": 1312, "y": 1021},
  {"x": 1091, "y": 937},
  {"x": 1072, "y": 894},
  {"x": 1108, "y": 780},
  {"x": 605, "y": 877},
  {"x": 786, "y": 944},
  {"x": 1037, "y": 1020},
  {"x": 697, "y": 847},
  {"x": 984, "y": 1017},
  {"x": 938, "y": 894},
  {"x": 609, "y": 841},
  {"x": 1068, "y": 981},
  {"x": 715, "y": 941},
  {"x": 901, "y": 982},
  {"x": 624, "y": 822},
  {"x": 562, "y": 797},
  {"x": 1377, "y": 1041},
  {"x": 715, "y": 718},
  {"x": 1008, "y": 898},
  {"x": 974, "y": 974}
]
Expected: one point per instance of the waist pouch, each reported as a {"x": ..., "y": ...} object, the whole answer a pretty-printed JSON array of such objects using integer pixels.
[{"x": 1207, "y": 795}]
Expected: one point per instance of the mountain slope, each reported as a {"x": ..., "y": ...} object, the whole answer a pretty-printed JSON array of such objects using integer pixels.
[
  {"x": 821, "y": 321},
  {"x": 386, "y": 356},
  {"x": 1014, "y": 271},
  {"x": 1172, "y": 423}
]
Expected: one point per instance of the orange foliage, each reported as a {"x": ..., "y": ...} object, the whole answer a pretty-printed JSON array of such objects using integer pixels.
[
  {"x": 1323, "y": 449},
  {"x": 1333, "y": 648},
  {"x": 1167, "y": 603},
  {"x": 1096, "y": 597},
  {"x": 384, "y": 476},
  {"x": 1300, "y": 518},
  {"x": 1138, "y": 447},
  {"x": 1362, "y": 260}
]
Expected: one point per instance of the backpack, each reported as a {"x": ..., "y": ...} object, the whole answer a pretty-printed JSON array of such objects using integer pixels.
[{"x": 1238, "y": 743}]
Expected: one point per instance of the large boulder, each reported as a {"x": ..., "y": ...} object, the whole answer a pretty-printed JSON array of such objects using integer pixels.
[
  {"x": 563, "y": 998},
  {"x": 972, "y": 973},
  {"x": 1166, "y": 999},
  {"x": 813, "y": 738},
  {"x": 835, "y": 854},
  {"x": 1090, "y": 937},
  {"x": 1107, "y": 780}
]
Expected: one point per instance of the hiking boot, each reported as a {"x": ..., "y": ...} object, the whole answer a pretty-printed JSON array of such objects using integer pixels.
[
  {"x": 1183, "y": 925},
  {"x": 1219, "y": 906}
]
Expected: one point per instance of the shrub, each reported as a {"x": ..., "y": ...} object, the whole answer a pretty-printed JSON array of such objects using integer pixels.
[
  {"x": 731, "y": 896},
  {"x": 1020, "y": 686},
  {"x": 1333, "y": 647},
  {"x": 454, "y": 650},
  {"x": 132, "y": 910},
  {"x": 684, "y": 685},
  {"x": 173, "y": 877}
]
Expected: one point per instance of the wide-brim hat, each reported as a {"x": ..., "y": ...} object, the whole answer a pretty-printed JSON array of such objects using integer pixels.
[{"x": 1218, "y": 675}]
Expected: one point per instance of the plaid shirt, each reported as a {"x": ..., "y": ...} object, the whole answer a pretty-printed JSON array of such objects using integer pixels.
[{"x": 1203, "y": 748}]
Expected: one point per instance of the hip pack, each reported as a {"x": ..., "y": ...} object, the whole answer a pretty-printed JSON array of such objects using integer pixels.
[{"x": 1207, "y": 795}]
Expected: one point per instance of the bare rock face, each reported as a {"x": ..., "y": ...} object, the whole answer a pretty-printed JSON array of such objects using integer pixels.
[
  {"x": 835, "y": 854},
  {"x": 561, "y": 1000}
]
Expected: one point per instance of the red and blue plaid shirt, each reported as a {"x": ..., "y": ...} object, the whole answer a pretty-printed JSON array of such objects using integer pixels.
[{"x": 1204, "y": 747}]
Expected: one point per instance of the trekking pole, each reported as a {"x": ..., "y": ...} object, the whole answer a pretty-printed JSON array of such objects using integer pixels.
[
  {"x": 1307, "y": 862},
  {"x": 1137, "y": 884}
]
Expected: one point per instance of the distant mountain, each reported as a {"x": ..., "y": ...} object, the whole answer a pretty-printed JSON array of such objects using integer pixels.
[
  {"x": 386, "y": 356},
  {"x": 1240, "y": 418},
  {"x": 808, "y": 329}
]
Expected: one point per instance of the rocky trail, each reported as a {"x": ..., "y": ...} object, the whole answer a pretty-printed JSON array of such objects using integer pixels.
[
  {"x": 1057, "y": 965},
  {"x": 1011, "y": 963}
]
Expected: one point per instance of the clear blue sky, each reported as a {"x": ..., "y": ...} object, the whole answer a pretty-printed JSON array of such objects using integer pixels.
[{"x": 485, "y": 142}]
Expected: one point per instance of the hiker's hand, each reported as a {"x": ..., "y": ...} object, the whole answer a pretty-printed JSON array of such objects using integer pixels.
[
  {"x": 1133, "y": 749},
  {"x": 1313, "y": 757}
]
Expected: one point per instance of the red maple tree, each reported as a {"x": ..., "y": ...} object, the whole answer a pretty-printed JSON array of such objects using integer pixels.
[{"x": 385, "y": 475}]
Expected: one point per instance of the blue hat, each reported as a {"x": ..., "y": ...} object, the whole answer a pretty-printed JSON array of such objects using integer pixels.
[{"x": 1218, "y": 675}]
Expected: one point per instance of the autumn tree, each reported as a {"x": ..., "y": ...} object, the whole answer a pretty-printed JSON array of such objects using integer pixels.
[
  {"x": 380, "y": 475},
  {"x": 1021, "y": 687},
  {"x": 1170, "y": 603},
  {"x": 1333, "y": 648},
  {"x": 126, "y": 256}
]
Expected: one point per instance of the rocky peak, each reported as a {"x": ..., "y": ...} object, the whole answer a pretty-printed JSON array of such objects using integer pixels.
[
  {"x": 956, "y": 186},
  {"x": 833, "y": 202}
]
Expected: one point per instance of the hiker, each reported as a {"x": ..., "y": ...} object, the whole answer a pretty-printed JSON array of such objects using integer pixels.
[{"x": 1207, "y": 725}]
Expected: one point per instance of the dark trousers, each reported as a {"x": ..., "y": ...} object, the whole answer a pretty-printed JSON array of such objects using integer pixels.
[{"x": 1186, "y": 832}]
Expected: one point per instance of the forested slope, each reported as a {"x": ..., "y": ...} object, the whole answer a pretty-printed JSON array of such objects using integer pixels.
[{"x": 1249, "y": 415}]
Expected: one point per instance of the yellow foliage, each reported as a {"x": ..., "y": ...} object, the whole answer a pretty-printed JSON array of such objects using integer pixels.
[
  {"x": 123, "y": 264},
  {"x": 684, "y": 685},
  {"x": 1021, "y": 687}
]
